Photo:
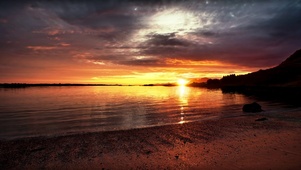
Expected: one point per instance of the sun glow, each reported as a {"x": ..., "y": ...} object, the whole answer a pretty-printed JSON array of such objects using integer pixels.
[
  {"x": 175, "y": 19},
  {"x": 182, "y": 82}
]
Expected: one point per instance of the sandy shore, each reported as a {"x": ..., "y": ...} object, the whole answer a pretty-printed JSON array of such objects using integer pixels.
[{"x": 227, "y": 143}]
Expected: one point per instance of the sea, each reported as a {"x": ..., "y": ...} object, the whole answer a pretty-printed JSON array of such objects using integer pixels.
[{"x": 63, "y": 110}]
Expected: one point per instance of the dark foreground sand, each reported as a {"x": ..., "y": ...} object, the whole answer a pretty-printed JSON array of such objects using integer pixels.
[{"x": 228, "y": 143}]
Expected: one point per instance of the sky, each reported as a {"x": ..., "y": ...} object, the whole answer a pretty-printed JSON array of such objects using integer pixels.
[{"x": 140, "y": 41}]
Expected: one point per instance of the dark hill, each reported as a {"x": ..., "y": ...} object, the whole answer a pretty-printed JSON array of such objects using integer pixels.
[
  {"x": 287, "y": 74},
  {"x": 293, "y": 60}
]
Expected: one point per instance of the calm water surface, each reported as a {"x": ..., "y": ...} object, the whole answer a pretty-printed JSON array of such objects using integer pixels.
[{"x": 42, "y": 111}]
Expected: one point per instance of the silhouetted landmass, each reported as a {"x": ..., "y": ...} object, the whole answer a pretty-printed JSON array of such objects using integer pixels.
[
  {"x": 24, "y": 85},
  {"x": 169, "y": 84},
  {"x": 149, "y": 85},
  {"x": 160, "y": 84},
  {"x": 280, "y": 84},
  {"x": 287, "y": 74},
  {"x": 196, "y": 84}
]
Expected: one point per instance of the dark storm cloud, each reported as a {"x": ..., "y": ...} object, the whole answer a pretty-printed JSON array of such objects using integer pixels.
[
  {"x": 257, "y": 33},
  {"x": 206, "y": 33},
  {"x": 165, "y": 40},
  {"x": 165, "y": 52},
  {"x": 142, "y": 62},
  {"x": 251, "y": 33},
  {"x": 286, "y": 25},
  {"x": 270, "y": 38}
]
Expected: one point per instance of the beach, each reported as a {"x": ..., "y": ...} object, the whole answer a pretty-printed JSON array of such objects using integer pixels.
[{"x": 242, "y": 142}]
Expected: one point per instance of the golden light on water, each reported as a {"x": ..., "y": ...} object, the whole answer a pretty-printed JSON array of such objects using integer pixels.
[
  {"x": 182, "y": 116},
  {"x": 183, "y": 93}
]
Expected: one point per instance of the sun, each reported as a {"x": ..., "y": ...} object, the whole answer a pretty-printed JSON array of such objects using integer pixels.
[{"x": 182, "y": 82}]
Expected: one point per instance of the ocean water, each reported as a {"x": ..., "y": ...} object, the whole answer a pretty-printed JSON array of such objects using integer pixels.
[{"x": 44, "y": 111}]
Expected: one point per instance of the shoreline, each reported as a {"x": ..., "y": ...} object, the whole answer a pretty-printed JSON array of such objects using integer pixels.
[{"x": 225, "y": 143}]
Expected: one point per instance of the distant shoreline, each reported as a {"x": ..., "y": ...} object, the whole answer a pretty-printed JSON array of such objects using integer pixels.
[
  {"x": 23, "y": 85},
  {"x": 200, "y": 85}
]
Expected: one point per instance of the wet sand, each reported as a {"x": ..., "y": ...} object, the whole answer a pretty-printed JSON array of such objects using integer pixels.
[{"x": 225, "y": 143}]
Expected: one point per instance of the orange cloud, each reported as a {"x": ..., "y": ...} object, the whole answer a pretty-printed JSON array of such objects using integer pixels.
[
  {"x": 42, "y": 47},
  {"x": 193, "y": 63},
  {"x": 65, "y": 44}
]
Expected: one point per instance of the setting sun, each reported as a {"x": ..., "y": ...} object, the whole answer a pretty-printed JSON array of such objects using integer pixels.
[{"x": 182, "y": 82}]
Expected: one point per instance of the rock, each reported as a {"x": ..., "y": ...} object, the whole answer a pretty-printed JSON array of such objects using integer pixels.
[
  {"x": 253, "y": 107},
  {"x": 38, "y": 149},
  {"x": 148, "y": 152},
  {"x": 262, "y": 119}
]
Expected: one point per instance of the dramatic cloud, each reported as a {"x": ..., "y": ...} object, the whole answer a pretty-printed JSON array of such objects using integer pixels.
[
  {"x": 165, "y": 40},
  {"x": 140, "y": 36}
]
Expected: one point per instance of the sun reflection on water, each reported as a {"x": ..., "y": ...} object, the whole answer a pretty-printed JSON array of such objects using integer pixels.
[
  {"x": 182, "y": 116},
  {"x": 183, "y": 93}
]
